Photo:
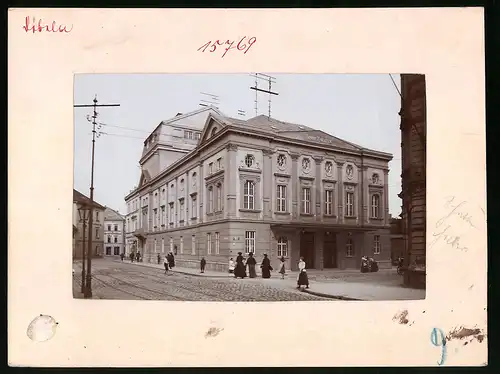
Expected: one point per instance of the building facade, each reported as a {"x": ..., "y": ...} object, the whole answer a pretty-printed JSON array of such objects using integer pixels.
[
  {"x": 266, "y": 186},
  {"x": 413, "y": 158},
  {"x": 114, "y": 233},
  {"x": 397, "y": 240},
  {"x": 81, "y": 237}
]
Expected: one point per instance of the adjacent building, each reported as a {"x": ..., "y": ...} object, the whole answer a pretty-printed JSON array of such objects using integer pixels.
[
  {"x": 81, "y": 204},
  {"x": 114, "y": 233},
  {"x": 413, "y": 157},
  {"x": 397, "y": 240},
  {"x": 263, "y": 186}
]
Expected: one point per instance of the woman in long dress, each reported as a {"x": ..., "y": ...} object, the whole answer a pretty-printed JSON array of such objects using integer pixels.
[
  {"x": 251, "y": 266},
  {"x": 266, "y": 267},
  {"x": 302, "y": 279},
  {"x": 239, "y": 270},
  {"x": 282, "y": 267}
]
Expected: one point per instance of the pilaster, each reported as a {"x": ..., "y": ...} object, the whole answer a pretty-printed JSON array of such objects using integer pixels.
[
  {"x": 231, "y": 180},
  {"x": 295, "y": 186},
  {"x": 386, "y": 197},
  {"x": 267, "y": 173},
  {"x": 340, "y": 197},
  {"x": 317, "y": 194},
  {"x": 366, "y": 195},
  {"x": 201, "y": 193}
]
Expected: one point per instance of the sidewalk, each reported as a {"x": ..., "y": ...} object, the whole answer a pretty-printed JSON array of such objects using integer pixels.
[{"x": 334, "y": 288}]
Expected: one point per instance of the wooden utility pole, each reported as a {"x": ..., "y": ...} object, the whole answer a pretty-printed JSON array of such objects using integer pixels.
[{"x": 88, "y": 284}]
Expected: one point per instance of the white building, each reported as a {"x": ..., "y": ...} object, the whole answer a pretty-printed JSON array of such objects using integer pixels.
[
  {"x": 114, "y": 233},
  {"x": 170, "y": 141}
]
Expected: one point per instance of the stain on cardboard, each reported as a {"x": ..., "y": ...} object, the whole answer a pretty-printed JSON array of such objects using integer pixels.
[
  {"x": 212, "y": 332},
  {"x": 42, "y": 328},
  {"x": 464, "y": 333},
  {"x": 401, "y": 317}
]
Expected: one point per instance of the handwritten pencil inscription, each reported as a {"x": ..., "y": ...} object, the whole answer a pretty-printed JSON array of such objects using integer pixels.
[
  {"x": 454, "y": 224},
  {"x": 228, "y": 45}
]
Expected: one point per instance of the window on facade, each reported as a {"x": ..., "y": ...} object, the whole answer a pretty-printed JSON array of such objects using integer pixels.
[
  {"x": 188, "y": 134},
  {"x": 181, "y": 245},
  {"x": 116, "y": 251},
  {"x": 116, "y": 227},
  {"x": 217, "y": 243},
  {"x": 154, "y": 249},
  {"x": 171, "y": 244},
  {"x": 209, "y": 244},
  {"x": 249, "y": 195},
  {"x": 210, "y": 199},
  {"x": 210, "y": 168},
  {"x": 181, "y": 210},
  {"x": 219, "y": 163},
  {"x": 172, "y": 213},
  {"x": 376, "y": 244},
  {"x": 109, "y": 227},
  {"x": 97, "y": 233},
  {"x": 182, "y": 184},
  {"x": 375, "y": 206},
  {"x": 249, "y": 160},
  {"x": 349, "y": 248},
  {"x": 282, "y": 247},
  {"x": 197, "y": 135},
  {"x": 162, "y": 218},
  {"x": 116, "y": 239},
  {"x": 306, "y": 200},
  {"x": 162, "y": 245},
  {"x": 155, "y": 218},
  {"x": 108, "y": 251},
  {"x": 281, "y": 198},
  {"x": 109, "y": 239},
  {"x": 193, "y": 207},
  {"x": 219, "y": 197},
  {"x": 328, "y": 202},
  {"x": 249, "y": 241},
  {"x": 349, "y": 204},
  {"x": 97, "y": 216},
  {"x": 193, "y": 245}
]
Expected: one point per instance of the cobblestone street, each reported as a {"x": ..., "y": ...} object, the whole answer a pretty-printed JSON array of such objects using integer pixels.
[{"x": 115, "y": 280}]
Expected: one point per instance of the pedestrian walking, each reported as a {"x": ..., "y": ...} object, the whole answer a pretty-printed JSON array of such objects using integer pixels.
[
  {"x": 239, "y": 270},
  {"x": 282, "y": 267},
  {"x": 231, "y": 266},
  {"x": 159, "y": 258},
  {"x": 165, "y": 264},
  {"x": 138, "y": 256},
  {"x": 171, "y": 260},
  {"x": 203, "y": 262},
  {"x": 251, "y": 266},
  {"x": 122, "y": 255},
  {"x": 302, "y": 279},
  {"x": 132, "y": 256},
  {"x": 266, "y": 267}
]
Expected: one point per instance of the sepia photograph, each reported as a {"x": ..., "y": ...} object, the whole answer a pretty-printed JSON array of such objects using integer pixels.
[{"x": 249, "y": 187}]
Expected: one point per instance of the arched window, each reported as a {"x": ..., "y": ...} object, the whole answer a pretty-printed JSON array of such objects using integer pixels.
[
  {"x": 249, "y": 195},
  {"x": 282, "y": 247},
  {"x": 375, "y": 206},
  {"x": 349, "y": 248}
]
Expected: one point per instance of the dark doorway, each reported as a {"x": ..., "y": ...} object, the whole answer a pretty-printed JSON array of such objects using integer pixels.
[
  {"x": 330, "y": 251},
  {"x": 307, "y": 248}
]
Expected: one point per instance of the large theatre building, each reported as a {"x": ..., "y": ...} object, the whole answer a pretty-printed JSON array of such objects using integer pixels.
[{"x": 262, "y": 186}]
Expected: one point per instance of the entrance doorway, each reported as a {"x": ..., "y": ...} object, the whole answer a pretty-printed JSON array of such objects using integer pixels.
[
  {"x": 330, "y": 251},
  {"x": 307, "y": 248}
]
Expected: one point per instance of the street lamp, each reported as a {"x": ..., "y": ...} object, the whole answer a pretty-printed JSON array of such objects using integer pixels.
[{"x": 83, "y": 215}]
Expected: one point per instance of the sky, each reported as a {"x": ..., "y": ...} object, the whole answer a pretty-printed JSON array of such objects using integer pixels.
[{"x": 361, "y": 108}]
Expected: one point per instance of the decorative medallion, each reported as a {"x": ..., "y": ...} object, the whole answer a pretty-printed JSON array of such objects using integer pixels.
[
  {"x": 328, "y": 168},
  {"x": 194, "y": 179},
  {"x": 281, "y": 161},
  {"x": 375, "y": 178},
  {"x": 349, "y": 170},
  {"x": 182, "y": 184},
  {"x": 249, "y": 160},
  {"x": 306, "y": 165}
]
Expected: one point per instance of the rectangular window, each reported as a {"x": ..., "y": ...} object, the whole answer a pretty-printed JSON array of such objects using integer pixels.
[
  {"x": 188, "y": 135},
  {"x": 108, "y": 251},
  {"x": 375, "y": 206},
  {"x": 172, "y": 213},
  {"x": 116, "y": 239},
  {"x": 193, "y": 245},
  {"x": 210, "y": 199},
  {"x": 96, "y": 233},
  {"x": 181, "y": 210},
  {"x": 162, "y": 245},
  {"x": 117, "y": 251},
  {"x": 210, "y": 168},
  {"x": 155, "y": 219},
  {"x": 349, "y": 248},
  {"x": 376, "y": 244},
  {"x": 162, "y": 217},
  {"x": 116, "y": 227},
  {"x": 219, "y": 163},
  {"x": 282, "y": 247},
  {"x": 209, "y": 244},
  {"x": 349, "y": 204},
  {"x": 217, "y": 243},
  {"x": 306, "y": 200},
  {"x": 109, "y": 227},
  {"x": 181, "y": 245},
  {"x": 249, "y": 241},
  {"x": 249, "y": 195},
  {"x": 194, "y": 210},
  {"x": 281, "y": 198},
  {"x": 97, "y": 216},
  {"x": 219, "y": 198},
  {"x": 328, "y": 202}
]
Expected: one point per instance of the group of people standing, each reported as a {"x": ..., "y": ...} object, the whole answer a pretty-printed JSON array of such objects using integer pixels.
[{"x": 168, "y": 261}]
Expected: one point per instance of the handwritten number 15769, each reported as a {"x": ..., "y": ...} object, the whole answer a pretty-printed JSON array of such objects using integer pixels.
[{"x": 228, "y": 44}]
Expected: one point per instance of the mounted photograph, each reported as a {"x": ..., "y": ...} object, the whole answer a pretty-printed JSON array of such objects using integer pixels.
[{"x": 249, "y": 187}]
